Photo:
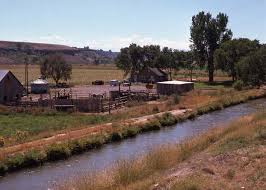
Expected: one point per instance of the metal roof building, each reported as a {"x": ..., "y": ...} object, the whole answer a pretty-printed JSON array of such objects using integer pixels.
[
  {"x": 174, "y": 87},
  {"x": 39, "y": 86}
]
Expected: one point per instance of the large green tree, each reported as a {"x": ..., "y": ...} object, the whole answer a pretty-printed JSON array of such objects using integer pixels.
[
  {"x": 231, "y": 51},
  {"x": 131, "y": 59},
  {"x": 207, "y": 33},
  {"x": 252, "y": 69},
  {"x": 55, "y": 67}
]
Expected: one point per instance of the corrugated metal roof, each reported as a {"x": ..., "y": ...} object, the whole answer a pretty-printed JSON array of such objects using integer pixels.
[
  {"x": 39, "y": 81},
  {"x": 175, "y": 82},
  {"x": 3, "y": 73}
]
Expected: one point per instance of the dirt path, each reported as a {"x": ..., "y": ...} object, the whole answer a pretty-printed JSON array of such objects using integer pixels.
[{"x": 86, "y": 131}]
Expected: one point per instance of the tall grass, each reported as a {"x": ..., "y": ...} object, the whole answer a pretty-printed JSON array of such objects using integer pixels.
[{"x": 128, "y": 173}]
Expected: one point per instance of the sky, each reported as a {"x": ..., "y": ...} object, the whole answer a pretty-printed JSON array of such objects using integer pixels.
[{"x": 113, "y": 24}]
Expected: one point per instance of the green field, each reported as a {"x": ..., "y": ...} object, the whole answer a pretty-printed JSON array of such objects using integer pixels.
[{"x": 81, "y": 74}]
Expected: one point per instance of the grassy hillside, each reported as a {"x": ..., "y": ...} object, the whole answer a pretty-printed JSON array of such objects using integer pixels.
[{"x": 15, "y": 52}]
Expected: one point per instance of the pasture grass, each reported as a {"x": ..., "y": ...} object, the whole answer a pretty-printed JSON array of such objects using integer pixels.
[{"x": 81, "y": 74}]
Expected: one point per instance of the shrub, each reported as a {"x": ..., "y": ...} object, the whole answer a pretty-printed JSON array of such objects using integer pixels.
[
  {"x": 57, "y": 152},
  {"x": 153, "y": 125},
  {"x": 116, "y": 136},
  {"x": 167, "y": 119},
  {"x": 34, "y": 158},
  {"x": 21, "y": 135},
  {"x": 15, "y": 162},
  {"x": 77, "y": 146},
  {"x": 238, "y": 85},
  {"x": 130, "y": 132}
]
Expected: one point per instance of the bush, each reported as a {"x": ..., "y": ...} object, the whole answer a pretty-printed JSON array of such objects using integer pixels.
[
  {"x": 57, "y": 152},
  {"x": 130, "y": 132},
  {"x": 167, "y": 119},
  {"x": 116, "y": 136},
  {"x": 153, "y": 125},
  {"x": 15, "y": 162},
  {"x": 77, "y": 146},
  {"x": 238, "y": 85},
  {"x": 34, "y": 158}
]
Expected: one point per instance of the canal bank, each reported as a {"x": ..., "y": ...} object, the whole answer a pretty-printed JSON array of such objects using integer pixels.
[{"x": 50, "y": 174}]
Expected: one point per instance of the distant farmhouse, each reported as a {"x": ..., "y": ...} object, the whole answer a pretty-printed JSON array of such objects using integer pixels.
[
  {"x": 149, "y": 75},
  {"x": 10, "y": 87}
]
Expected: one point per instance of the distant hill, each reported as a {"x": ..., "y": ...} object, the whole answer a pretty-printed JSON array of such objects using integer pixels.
[{"x": 15, "y": 52}]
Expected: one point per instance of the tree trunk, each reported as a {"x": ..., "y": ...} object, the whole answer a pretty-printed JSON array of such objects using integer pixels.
[
  {"x": 191, "y": 72},
  {"x": 170, "y": 73},
  {"x": 210, "y": 68}
]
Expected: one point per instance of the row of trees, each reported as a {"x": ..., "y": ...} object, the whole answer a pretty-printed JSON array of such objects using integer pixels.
[
  {"x": 212, "y": 48},
  {"x": 135, "y": 58}
]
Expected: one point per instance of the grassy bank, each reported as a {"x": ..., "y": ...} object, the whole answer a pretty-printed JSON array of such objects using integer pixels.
[
  {"x": 158, "y": 171},
  {"x": 20, "y": 126},
  {"x": 63, "y": 150}
]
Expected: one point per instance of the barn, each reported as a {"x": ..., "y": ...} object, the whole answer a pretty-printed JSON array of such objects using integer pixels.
[
  {"x": 10, "y": 87},
  {"x": 39, "y": 86},
  {"x": 149, "y": 75},
  {"x": 174, "y": 87}
]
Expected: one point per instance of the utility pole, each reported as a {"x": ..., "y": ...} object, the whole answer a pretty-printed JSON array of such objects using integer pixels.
[{"x": 27, "y": 75}]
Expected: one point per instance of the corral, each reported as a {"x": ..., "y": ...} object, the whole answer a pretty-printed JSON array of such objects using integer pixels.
[
  {"x": 102, "y": 98},
  {"x": 174, "y": 87}
]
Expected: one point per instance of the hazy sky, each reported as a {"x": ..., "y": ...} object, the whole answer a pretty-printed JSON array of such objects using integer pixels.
[{"x": 112, "y": 24}]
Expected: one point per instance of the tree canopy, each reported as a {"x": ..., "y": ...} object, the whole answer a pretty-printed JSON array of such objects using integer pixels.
[
  {"x": 252, "y": 68},
  {"x": 231, "y": 51},
  {"x": 134, "y": 58},
  {"x": 55, "y": 67},
  {"x": 207, "y": 33}
]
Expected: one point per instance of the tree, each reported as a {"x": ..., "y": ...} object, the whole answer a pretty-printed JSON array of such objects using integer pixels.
[
  {"x": 231, "y": 51},
  {"x": 169, "y": 60},
  {"x": 134, "y": 58},
  {"x": 55, "y": 67},
  {"x": 189, "y": 62},
  {"x": 151, "y": 54},
  {"x": 252, "y": 69},
  {"x": 207, "y": 34}
]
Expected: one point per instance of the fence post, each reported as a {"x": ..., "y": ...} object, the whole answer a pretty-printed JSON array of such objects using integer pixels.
[{"x": 109, "y": 106}]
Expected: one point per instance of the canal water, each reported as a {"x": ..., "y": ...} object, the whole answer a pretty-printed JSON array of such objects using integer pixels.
[{"x": 47, "y": 176}]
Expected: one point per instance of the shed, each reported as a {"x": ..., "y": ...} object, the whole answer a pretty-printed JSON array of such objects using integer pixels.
[
  {"x": 10, "y": 87},
  {"x": 39, "y": 86},
  {"x": 149, "y": 75},
  {"x": 174, "y": 87}
]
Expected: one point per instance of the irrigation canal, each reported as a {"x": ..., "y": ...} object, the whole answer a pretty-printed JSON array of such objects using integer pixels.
[{"x": 47, "y": 176}]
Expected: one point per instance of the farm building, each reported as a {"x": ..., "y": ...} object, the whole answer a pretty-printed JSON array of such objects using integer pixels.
[
  {"x": 39, "y": 86},
  {"x": 10, "y": 87},
  {"x": 149, "y": 75},
  {"x": 174, "y": 87}
]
